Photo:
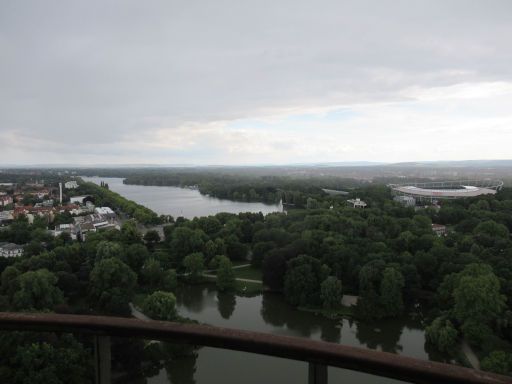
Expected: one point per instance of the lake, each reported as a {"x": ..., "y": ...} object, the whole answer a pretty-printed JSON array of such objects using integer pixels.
[
  {"x": 269, "y": 313},
  {"x": 176, "y": 201}
]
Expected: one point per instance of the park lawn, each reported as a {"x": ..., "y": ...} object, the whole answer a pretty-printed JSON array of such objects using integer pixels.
[
  {"x": 249, "y": 272},
  {"x": 244, "y": 288},
  {"x": 239, "y": 262}
]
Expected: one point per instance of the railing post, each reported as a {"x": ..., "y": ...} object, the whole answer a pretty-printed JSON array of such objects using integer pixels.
[
  {"x": 317, "y": 374},
  {"x": 102, "y": 361}
]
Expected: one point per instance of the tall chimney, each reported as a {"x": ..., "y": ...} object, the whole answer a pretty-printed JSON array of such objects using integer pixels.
[{"x": 60, "y": 193}]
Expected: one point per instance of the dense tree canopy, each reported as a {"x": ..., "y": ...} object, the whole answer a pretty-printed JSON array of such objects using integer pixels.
[
  {"x": 386, "y": 254},
  {"x": 112, "y": 286},
  {"x": 160, "y": 306}
]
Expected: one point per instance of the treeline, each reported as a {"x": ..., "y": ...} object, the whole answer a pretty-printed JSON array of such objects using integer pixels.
[
  {"x": 106, "y": 198},
  {"x": 23, "y": 177}
]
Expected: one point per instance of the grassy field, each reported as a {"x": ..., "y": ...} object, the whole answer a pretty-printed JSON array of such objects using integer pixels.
[
  {"x": 243, "y": 288},
  {"x": 248, "y": 289},
  {"x": 240, "y": 262},
  {"x": 248, "y": 273}
]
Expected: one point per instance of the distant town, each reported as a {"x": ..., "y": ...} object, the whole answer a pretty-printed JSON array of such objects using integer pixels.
[{"x": 55, "y": 207}]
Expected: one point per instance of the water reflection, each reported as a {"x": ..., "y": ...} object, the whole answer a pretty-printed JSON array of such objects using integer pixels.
[
  {"x": 331, "y": 332},
  {"x": 181, "y": 365},
  {"x": 193, "y": 299},
  {"x": 371, "y": 336},
  {"x": 270, "y": 313},
  {"x": 226, "y": 303}
]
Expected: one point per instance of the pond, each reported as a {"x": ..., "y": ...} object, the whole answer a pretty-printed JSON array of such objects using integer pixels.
[{"x": 269, "y": 313}]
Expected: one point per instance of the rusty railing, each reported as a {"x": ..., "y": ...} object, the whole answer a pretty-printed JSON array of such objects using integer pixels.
[{"x": 319, "y": 355}]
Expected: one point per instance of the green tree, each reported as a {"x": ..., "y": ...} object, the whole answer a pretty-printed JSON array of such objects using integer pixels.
[
  {"x": 303, "y": 279},
  {"x": 442, "y": 334},
  {"x": 108, "y": 249},
  {"x": 259, "y": 251},
  {"x": 391, "y": 292},
  {"x": 129, "y": 232},
  {"x": 9, "y": 280},
  {"x": 160, "y": 306},
  {"x": 488, "y": 232},
  {"x": 368, "y": 305},
  {"x": 46, "y": 363},
  {"x": 112, "y": 284},
  {"x": 169, "y": 280},
  {"x": 225, "y": 274},
  {"x": 152, "y": 237},
  {"x": 235, "y": 249},
  {"x": 135, "y": 255},
  {"x": 37, "y": 291},
  {"x": 477, "y": 295},
  {"x": 331, "y": 293},
  {"x": 194, "y": 265},
  {"x": 498, "y": 362},
  {"x": 152, "y": 272},
  {"x": 185, "y": 241}
]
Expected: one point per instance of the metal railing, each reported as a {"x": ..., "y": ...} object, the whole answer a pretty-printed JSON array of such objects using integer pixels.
[{"x": 319, "y": 355}]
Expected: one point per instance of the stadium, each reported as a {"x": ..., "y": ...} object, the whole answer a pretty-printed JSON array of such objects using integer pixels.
[{"x": 439, "y": 190}]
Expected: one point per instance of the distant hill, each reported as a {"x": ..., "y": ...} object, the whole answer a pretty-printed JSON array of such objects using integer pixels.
[{"x": 458, "y": 163}]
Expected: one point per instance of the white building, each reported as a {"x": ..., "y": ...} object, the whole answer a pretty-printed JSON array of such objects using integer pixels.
[
  {"x": 106, "y": 211},
  {"x": 10, "y": 250},
  {"x": 71, "y": 184},
  {"x": 408, "y": 201},
  {"x": 357, "y": 203},
  {"x": 78, "y": 199},
  {"x": 96, "y": 222},
  {"x": 6, "y": 216},
  {"x": 69, "y": 228}
]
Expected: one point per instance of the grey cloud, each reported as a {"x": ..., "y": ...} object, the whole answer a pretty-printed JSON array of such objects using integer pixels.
[{"x": 103, "y": 70}]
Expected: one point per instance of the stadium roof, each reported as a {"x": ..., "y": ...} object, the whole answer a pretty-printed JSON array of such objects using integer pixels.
[{"x": 449, "y": 189}]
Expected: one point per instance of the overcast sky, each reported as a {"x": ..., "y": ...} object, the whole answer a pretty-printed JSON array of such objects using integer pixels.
[{"x": 254, "y": 82}]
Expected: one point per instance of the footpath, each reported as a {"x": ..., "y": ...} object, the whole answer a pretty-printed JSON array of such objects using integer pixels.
[{"x": 470, "y": 354}]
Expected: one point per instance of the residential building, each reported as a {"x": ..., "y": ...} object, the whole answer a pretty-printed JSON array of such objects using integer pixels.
[
  {"x": 41, "y": 193},
  {"x": 69, "y": 228},
  {"x": 78, "y": 199},
  {"x": 5, "y": 200},
  {"x": 6, "y": 217},
  {"x": 71, "y": 184},
  {"x": 439, "y": 229},
  {"x": 105, "y": 211},
  {"x": 357, "y": 203},
  {"x": 96, "y": 222},
  {"x": 407, "y": 201},
  {"x": 10, "y": 250},
  {"x": 45, "y": 203}
]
